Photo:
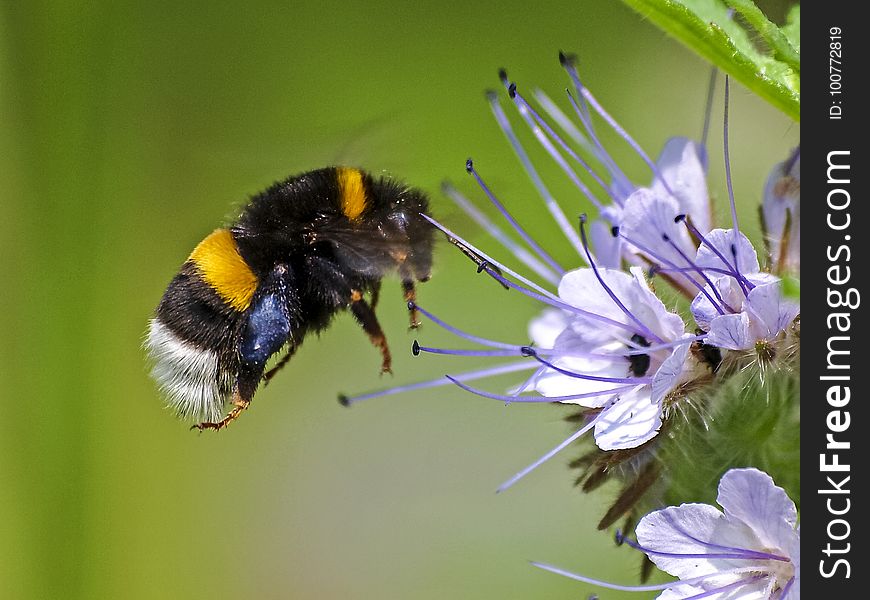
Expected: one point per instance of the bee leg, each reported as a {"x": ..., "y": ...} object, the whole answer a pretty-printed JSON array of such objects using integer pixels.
[
  {"x": 376, "y": 295},
  {"x": 365, "y": 316},
  {"x": 239, "y": 405},
  {"x": 410, "y": 294},
  {"x": 280, "y": 365},
  {"x": 411, "y": 298}
]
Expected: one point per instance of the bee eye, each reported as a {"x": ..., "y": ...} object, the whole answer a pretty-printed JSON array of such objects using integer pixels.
[{"x": 399, "y": 219}]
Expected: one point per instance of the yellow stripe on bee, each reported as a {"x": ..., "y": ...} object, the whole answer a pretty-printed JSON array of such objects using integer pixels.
[
  {"x": 352, "y": 192},
  {"x": 218, "y": 260}
]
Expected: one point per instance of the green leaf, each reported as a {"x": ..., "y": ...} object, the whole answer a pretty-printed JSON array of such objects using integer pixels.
[
  {"x": 775, "y": 39},
  {"x": 792, "y": 28},
  {"x": 707, "y": 27}
]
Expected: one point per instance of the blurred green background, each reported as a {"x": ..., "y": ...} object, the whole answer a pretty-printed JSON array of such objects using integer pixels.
[{"x": 129, "y": 131}]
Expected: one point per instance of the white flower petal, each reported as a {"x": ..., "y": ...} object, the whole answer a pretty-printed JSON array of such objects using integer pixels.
[
  {"x": 652, "y": 312},
  {"x": 690, "y": 529},
  {"x": 553, "y": 384},
  {"x": 682, "y": 167},
  {"x": 750, "y": 591},
  {"x": 703, "y": 310},
  {"x": 582, "y": 289},
  {"x": 646, "y": 219},
  {"x": 752, "y": 497},
  {"x": 722, "y": 240},
  {"x": 632, "y": 420},
  {"x": 546, "y": 327},
  {"x": 608, "y": 249},
  {"x": 773, "y": 313},
  {"x": 668, "y": 375},
  {"x": 731, "y": 332}
]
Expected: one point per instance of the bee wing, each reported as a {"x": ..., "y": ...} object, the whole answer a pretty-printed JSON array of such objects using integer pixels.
[{"x": 366, "y": 251}]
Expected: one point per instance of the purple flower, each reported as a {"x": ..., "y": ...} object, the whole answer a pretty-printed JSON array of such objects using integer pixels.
[
  {"x": 604, "y": 340},
  {"x": 638, "y": 344},
  {"x": 781, "y": 215},
  {"x": 742, "y": 306},
  {"x": 748, "y": 550}
]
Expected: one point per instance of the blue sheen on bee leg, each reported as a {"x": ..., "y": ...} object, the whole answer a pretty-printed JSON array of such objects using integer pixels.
[{"x": 266, "y": 331}]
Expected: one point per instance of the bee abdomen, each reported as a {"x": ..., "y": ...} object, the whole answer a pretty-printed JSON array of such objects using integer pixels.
[
  {"x": 193, "y": 338},
  {"x": 195, "y": 383}
]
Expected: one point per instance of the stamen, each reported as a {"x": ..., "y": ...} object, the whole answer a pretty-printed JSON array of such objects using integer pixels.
[
  {"x": 416, "y": 349},
  {"x": 757, "y": 554},
  {"x": 529, "y": 381},
  {"x": 734, "y": 245},
  {"x": 469, "y": 167},
  {"x": 619, "y": 181},
  {"x": 458, "y": 332},
  {"x": 511, "y": 398},
  {"x": 577, "y": 434},
  {"x": 516, "y": 350},
  {"x": 652, "y": 588},
  {"x": 523, "y": 255},
  {"x": 549, "y": 200},
  {"x": 649, "y": 334},
  {"x": 602, "y": 583},
  {"x": 568, "y": 126},
  {"x": 489, "y": 260},
  {"x": 697, "y": 269},
  {"x": 584, "y": 92},
  {"x": 545, "y": 296},
  {"x": 737, "y": 554},
  {"x": 527, "y": 111},
  {"x": 569, "y": 64},
  {"x": 700, "y": 237},
  {"x": 528, "y": 351},
  {"x": 561, "y": 304},
  {"x": 659, "y": 269},
  {"x": 665, "y": 345},
  {"x": 657, "y": 257},
  {"x": 708, "y": 112},
  {"x": 441, "y": 381}
]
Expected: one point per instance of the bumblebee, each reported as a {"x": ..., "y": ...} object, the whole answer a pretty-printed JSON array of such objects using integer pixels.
[{"x": 302, "y": 251}]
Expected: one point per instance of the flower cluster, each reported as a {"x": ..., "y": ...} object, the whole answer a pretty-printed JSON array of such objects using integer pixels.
[
  {"x": 751, "y": 550},
  {"x": 607, "y": 343}
]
